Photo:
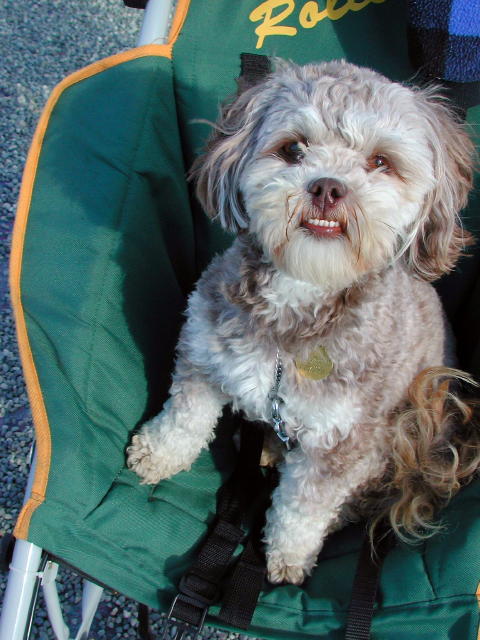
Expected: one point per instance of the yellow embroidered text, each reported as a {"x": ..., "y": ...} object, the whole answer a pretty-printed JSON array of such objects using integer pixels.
[{"x": 310, "y": 15}]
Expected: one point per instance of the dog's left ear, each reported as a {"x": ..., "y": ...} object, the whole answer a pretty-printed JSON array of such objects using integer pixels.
[{"x": 440, "y": 238}]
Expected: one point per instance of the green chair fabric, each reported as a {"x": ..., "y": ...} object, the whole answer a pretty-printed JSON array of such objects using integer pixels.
[{"x": 113, "y": 244}]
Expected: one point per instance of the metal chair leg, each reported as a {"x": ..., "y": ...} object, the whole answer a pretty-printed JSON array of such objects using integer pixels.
[
  {"x": 156, "y": 22},
  {"x": 22, "y": 588},
  {"x": 92, "y": 594},
  {"x": 52, "y": 602}
]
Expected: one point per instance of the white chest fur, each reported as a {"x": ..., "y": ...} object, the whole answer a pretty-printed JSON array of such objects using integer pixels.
[{"x": 316, "y": 412}]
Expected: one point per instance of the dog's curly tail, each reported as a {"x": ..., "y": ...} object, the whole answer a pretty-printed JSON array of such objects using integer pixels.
[{"x": 436, "y": 451}]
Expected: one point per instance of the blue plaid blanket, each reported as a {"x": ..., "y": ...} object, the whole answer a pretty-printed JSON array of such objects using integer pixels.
[{"x": 444, "y": 38}]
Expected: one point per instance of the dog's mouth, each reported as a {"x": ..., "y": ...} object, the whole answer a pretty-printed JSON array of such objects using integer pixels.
[{"x": 323, "y": 227}]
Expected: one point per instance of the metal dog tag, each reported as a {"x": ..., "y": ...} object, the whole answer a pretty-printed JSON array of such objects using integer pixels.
[{"x": 317, "y": 366}]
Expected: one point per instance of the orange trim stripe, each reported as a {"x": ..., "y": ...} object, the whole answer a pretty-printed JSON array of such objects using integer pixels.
[
  {"x": 39, "y": 413},
  {"x": 178, "y": 21}
]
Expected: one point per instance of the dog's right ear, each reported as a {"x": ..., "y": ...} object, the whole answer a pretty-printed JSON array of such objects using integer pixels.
[{"x": 218, "y": 171}]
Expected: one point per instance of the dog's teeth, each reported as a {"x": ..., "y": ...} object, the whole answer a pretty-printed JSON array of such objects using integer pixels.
[{"x": 323, "y": 223}]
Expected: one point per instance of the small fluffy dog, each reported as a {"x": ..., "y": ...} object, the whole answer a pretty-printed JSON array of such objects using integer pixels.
[{"x": 344, "y": 190}]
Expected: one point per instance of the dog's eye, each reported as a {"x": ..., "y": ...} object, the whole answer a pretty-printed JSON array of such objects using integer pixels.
[
  {"x": 377, "y": 161},
  {"x": 292, "y": 152}
]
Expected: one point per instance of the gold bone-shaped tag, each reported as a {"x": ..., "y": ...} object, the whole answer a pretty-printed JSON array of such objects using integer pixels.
[{"x": 317, "y": 366}]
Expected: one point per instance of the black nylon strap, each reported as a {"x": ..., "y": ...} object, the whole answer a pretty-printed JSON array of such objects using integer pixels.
[
  {"x": 365, "y": 586},
  {"x": 190, "y": 611},
  {"x": 202, "y": 579},
  {"x": 135, "y": 4},
  {"x": 143, "y": 632},
  {"x": 253, "y": 69},
  {"x": 199, "y": 587},
  {"x": 241, "y": 596},
  {"x": 243, "y": 589}
]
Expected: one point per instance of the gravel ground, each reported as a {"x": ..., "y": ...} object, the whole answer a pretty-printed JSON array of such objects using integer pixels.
[{"x": 40, "y": 43}]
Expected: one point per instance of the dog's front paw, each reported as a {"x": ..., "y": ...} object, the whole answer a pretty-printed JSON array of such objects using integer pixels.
[
  {"x": 279, "y": 570},
  {"x": 151, "y": 465}
]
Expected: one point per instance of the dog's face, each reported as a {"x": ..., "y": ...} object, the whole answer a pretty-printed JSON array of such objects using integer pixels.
[{"x": 337, "y": 172}]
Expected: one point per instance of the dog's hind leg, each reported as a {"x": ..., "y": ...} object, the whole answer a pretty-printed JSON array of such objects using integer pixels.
[{"x": 171, "y": 441}]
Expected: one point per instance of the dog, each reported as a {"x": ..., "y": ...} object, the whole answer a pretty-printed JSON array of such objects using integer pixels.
[{"x": 343, "y": 189}]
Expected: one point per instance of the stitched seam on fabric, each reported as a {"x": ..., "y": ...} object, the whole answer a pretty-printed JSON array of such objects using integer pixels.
[
  {"x": 427, "y": 570},
  {"x": 417, "y": 604},
  {"x": 107, "y": 542},
  {"x": 434, "y": 603},
  {"x": 105, "y": 495},
  {"x": 114, "y": 242}
]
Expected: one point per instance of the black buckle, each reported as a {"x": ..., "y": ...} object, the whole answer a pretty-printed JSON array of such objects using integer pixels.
[{"x": 182, "y": 626}]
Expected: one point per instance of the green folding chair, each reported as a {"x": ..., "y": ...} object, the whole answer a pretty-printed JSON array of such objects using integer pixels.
[{"x": 108, "y": 243}]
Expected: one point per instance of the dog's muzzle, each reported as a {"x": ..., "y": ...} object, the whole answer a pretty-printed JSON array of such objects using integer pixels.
[{"x": 327, "y": 194}]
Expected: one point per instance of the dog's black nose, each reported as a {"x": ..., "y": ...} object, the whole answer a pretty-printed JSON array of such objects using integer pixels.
[{"x": 327, "y": 192}]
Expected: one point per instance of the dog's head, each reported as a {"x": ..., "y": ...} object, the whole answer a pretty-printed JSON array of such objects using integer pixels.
[{"x": 337, "y": 171}]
